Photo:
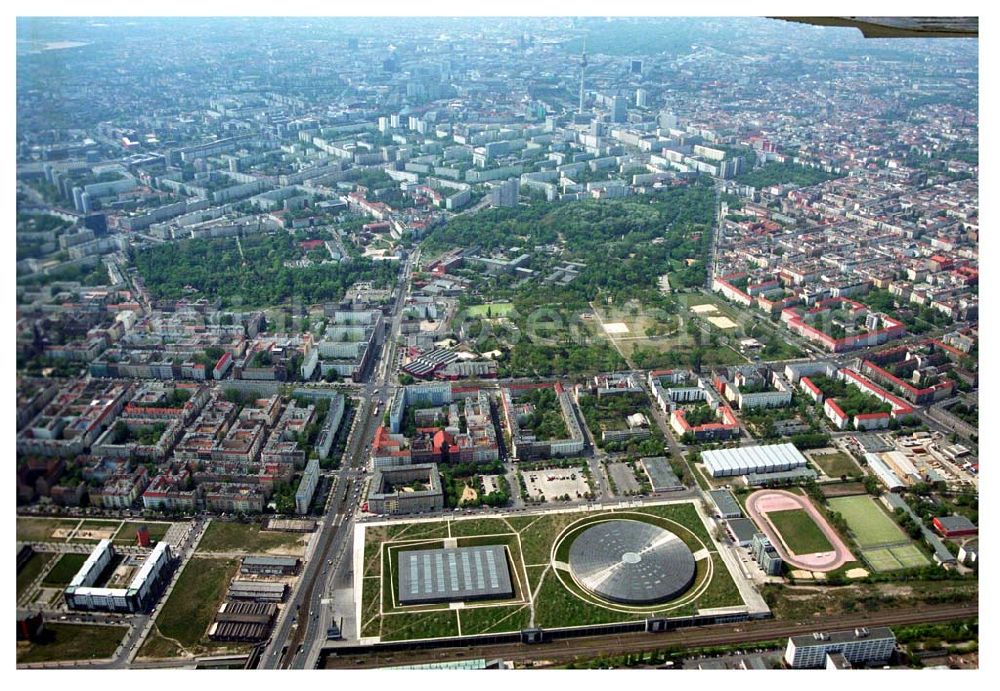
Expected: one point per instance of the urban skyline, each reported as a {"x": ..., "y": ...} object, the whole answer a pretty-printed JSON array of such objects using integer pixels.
[{"x": 353, "y": 342}]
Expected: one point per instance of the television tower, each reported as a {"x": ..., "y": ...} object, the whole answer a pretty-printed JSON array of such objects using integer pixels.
[{"x": 583, "y": 71}]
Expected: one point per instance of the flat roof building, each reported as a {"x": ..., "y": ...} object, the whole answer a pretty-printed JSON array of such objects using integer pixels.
[
  {"x": 454, "y": 575},
  {"x": 954, "y": 526},
  {"x": 661, "y": 476},
  {"x": 766, "y": 555},
  {"x": 307, "y": 487},
  {"x": 269, "y": 566},
  {"x": 140, "y": 593},
  {"x": 742, "y": 530},
  {"x": 752, "y": 459},
  {"x": 257, "y": 591},
  {"x": 780, "y": 477},
  {"x": 726, "y": 503},
  {"x": 406, "y": 489},
  {"x": 861, "y": 645}
]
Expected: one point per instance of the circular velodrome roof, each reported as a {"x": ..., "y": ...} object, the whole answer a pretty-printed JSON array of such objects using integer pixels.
[{"x": 631, "y": 562}]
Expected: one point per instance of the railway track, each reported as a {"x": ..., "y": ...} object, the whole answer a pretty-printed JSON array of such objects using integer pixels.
[{"x": 567, "y": 650}]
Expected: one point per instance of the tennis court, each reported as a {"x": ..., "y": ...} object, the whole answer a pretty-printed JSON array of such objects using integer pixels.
[
  {"x": 895, "y": 558},
  {"x": 909, "y": 556},
  {"x": 880, "y": 559}
]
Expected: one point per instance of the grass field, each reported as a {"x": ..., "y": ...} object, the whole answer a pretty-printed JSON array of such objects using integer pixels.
[
  {"x": 494, "y": 309},
  {"x": 223, "y": 536},
  {"x": 159, "y": 647},
  {"x": 883, "y": 543},
  {"x": 31, "y": 569},
  {"x": 550, "y": 599},
  {"x": 63, "y": 571},
  {"x": 880, "y": 559},
  {"x": 884, "y": 559},
  {"x": 194, "y": 600},
  {"x": 909, "y": 556},
  {"x": 799, "y": 532},
  {"x": 870, "y": 524},
  {"x": 72, "y": 642},
  {"x": 126, "y": 535},
  {"x": 836, "y": 464},
  {"x": 40, "y": 529}
]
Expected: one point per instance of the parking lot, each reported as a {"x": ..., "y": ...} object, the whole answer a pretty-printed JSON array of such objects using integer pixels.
[
  {"x": 490, "y": 483},
  {"x": 623, "y": 477},
  {"x": 552, "y": 483}
]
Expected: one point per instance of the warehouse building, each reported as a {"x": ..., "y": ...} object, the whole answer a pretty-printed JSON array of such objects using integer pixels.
[
  {"x": 954, "y": 526},
  {"x": 142, "y": 590},
  {"x": 752, "y": 459},
  {"x": 257, "y": 591},
  {"x": 883, "y": 472},
  {"x": 269, "y": 566},
  {"x": 860, "y": 646},
  {"x": 458, "y": 574},
  {"x": 781, "y": 477},
  {"x": 726, "y": 503},
  {"x": 246, "y": 622},
  {"x": 661, "y": 476}
]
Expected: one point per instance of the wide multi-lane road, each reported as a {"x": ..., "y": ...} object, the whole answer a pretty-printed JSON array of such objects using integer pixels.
[{"x": 305, "y": 621}]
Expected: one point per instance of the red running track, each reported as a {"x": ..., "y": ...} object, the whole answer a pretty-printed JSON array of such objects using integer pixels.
[{"x": 765, "y": 501}]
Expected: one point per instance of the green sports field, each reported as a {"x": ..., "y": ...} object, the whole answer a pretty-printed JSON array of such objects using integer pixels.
[
  {"x": 799, "y": 532},
  {"x": 492, "y": 309},
  {"x": 883, "y": 544},
  {"x": 835, "y": 464},
  {"x": 884, "y": 559},
  {"x": 870, "y": 524}
]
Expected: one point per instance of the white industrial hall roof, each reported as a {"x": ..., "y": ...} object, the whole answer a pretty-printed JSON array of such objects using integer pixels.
[{"x": 752, "y": 459}]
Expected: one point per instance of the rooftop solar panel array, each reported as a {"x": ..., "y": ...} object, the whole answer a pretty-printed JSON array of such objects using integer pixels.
[{"x": 453, "y": 575}]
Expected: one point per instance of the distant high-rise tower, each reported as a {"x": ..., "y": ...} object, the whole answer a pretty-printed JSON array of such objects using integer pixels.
[
  {"x": 583, "y": 71},
  {"x": 636, "y": 67},
  {"x": 619, "y": 112},
  {"x": 641, "y": 98},
  {"x": 506, "y": 193}
]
